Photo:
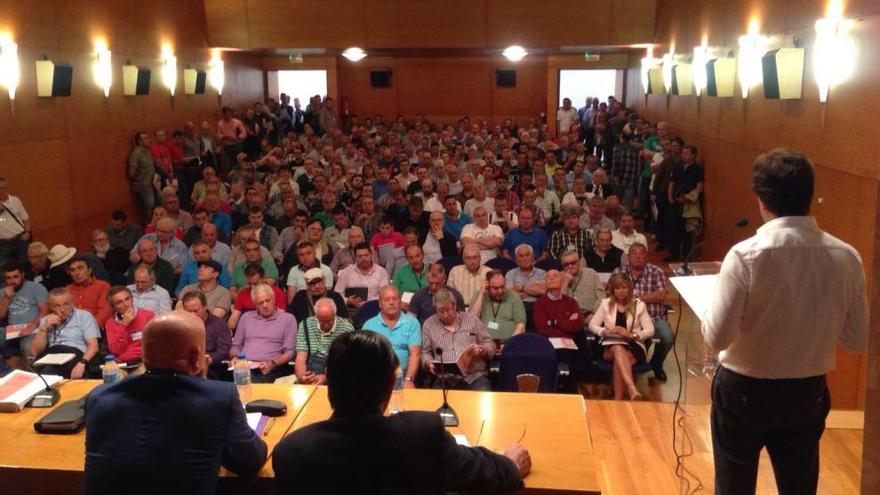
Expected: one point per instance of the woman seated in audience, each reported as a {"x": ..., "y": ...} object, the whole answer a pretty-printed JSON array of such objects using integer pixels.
[{"x": 623, "y": 324}]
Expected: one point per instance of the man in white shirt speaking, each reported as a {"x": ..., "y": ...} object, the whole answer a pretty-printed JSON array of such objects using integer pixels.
[{"x": 784, "y": 299}]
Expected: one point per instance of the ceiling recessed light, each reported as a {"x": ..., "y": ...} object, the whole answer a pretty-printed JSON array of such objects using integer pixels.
[
  {"x": 514, "y": 53},
  {"x": 354, "y": 54}
]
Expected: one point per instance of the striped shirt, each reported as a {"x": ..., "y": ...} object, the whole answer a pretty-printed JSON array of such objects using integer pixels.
[
  {"x": 468, "y": 330},
  {"x": 310, "y": 338}
]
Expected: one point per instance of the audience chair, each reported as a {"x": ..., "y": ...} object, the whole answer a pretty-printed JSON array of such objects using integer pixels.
[
  {"x": 503, "y": 264},
  {"x": 528, "y": 382},
  {"x": 549, "y": 264},
  {"x": 529, "y": 353}
]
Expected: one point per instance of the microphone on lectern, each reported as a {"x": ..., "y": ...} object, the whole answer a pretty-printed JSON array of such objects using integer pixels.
[{"x": 685, "y": 269}]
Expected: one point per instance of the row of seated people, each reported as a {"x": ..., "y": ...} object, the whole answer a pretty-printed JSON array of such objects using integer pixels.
[{"x": 562, "y": 302}]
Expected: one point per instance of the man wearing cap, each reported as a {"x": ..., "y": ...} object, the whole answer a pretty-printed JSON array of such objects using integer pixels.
[
  {"x": 88, "y": 292},
  {"x": 219, "y": 300},
  {"x": 43, "y": 270},
  {"x": 200, "y": 252},
  {"x": 303, "y": 304},
  {"x": 308, "y": 260},
  {"x": 147, "y": 294},
  {"x": 149, "y": 257},
  {"x": 244, "y": 300}
]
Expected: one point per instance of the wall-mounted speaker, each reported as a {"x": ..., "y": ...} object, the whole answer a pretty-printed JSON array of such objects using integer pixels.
[
  {"x": 143, "y": 82},
  {"x": 721, "y": 77},
  {"x": 380, "y": 78},
  {"x": 194, "y": 81},
  {"x": 682, "y": 80},
  {"x": 135, "y": 81},
  {"x": 53, "y": 80},
  {"x": 783, "y": 71},
  {"x": 655, "y": 82},
  {"x": 505, "y": 78}
]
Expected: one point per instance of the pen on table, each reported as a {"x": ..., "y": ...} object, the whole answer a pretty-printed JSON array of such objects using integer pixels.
[{"x": 269, "y": 424}]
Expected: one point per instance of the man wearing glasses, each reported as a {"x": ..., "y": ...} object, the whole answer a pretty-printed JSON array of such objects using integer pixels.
[{"x": 313, "y": 339}]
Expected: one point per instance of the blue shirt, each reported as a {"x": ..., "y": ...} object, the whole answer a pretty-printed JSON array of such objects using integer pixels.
[
  {"x": 407, "y": 332},
  {"x": 537, "y": 238},
  {"x": 74, "y": 332},
  {"x": 223, "y": 222},
  {"x": 454, "y": 226},
  {"x": 190, "y": 275},
  {"x": 177, "y": 253},
  {"x": 25, "y": 304}
]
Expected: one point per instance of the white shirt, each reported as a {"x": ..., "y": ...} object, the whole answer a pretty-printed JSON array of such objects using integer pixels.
[
  {"x": 472, "y": 204},
  {"x": 566, "y": 119},
  {"x": 784, "y": 298},
  {"x": 475, "y": 232},
  {"x": 623, "y": 241}
]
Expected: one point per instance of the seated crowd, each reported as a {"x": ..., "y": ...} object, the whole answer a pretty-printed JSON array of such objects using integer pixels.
[{"x": 282, "y": 232}]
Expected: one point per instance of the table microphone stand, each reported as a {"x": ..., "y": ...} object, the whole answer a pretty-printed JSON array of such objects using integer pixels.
[{"x": 446, "y": 412}]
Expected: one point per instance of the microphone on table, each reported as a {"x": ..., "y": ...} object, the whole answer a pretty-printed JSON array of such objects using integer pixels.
[
  {"x": 685, "y": 269},
  {"x": 47, "y": 397},
  {"x": 446, "y": 412}
]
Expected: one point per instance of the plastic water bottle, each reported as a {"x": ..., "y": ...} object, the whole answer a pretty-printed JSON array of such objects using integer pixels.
[
  {"x": 396, "y": 405},
  {"x": 110, "y": 372},
  {"x": 242, "y": 378}
]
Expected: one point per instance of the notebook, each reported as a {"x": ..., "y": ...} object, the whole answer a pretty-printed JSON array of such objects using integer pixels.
[{"x": 55, "y": 359}]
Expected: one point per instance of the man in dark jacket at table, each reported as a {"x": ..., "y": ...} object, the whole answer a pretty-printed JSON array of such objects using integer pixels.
[
  {"x": 352, "y": 451},
  {"x": 168, "y": 430}
]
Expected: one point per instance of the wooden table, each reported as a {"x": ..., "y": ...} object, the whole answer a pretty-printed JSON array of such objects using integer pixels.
[
  {"x": 555, "y": 431},
  {"x": 38, "y": 463}
]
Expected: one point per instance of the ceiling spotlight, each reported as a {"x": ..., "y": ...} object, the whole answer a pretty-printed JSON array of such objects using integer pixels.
[
  {"x": 514, "y": 53},
  {"x": 354, "y": 54}
]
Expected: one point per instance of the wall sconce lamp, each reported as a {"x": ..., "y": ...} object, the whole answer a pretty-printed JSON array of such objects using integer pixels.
[
  {"x": 834, "y": 56},
  {"x": 648, "y": 63},
  {"x": 10, "y": 74},
  {"x": 751, "y": 49},
  {"x": 701, "y": 58},
  {"x": 103, "y": 69},
  {"x": 169, "y": 68},
  {"x": 215, "y": 71}
]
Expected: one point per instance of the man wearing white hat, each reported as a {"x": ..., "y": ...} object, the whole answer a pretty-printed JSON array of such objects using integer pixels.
[
  {"x": 303, "y": 303},
  {"x": 40, "y": 269}
]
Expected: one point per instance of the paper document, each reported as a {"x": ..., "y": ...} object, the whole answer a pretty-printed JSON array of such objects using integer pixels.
[
  {"x": 563, "y": 343},
  {"x": 14, "y": 331},
  {"x": 406, "y": 297},
  {"x": 461, "y": 440},
  {"x": 55, "y": 359},
  {"x": 697, "y": 291},
  {"x": 17, "y": 388},
  {"x": 251, "y": 364},
  {"x": 253, "y": 420}
]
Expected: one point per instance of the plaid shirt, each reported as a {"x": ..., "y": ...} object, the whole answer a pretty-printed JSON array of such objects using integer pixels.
[
  {"x": 562, "y": 239},
  {"x": 651, "y": 279},
  {"x": 625, "y": 164}
]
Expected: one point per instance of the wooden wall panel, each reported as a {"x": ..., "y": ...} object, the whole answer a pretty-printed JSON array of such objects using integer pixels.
[
  {"x": 732, "y": 132},
  {"x": 407, "y": 24},
  {"x": 444, "y": 88},
  {"x": 306, "y": 23},
  {"x": 76, "y": 147},
  {"x": 425, "y": 23}
]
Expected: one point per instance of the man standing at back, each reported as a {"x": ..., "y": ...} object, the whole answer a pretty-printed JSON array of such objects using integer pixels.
[
  {"x": 353, "y": 450},
  {"x": 783, "y": 301},
  {"x": 142, "y": 432}
]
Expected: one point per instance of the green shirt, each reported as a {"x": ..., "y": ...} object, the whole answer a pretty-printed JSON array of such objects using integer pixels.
[
  {"x": 501, "y": 318},
  {"x": 406, "y": 280},
  {"x": 318, "y": 340},
  {"x": 240, "y": 281},
  {"x": 326, "y": 218}
]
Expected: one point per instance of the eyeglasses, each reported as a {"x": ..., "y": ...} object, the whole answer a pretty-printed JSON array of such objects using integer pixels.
[{"x": 569, "y": 263}]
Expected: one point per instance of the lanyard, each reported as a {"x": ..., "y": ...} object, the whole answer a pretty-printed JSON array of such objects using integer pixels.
[{"x": 495, "y": 310}]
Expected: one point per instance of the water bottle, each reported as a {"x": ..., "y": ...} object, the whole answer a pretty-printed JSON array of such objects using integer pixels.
[
  {"x": 396, "y": 405},
  {"x": 110, "y": 372},
  {"x": 242, "y": 378}
]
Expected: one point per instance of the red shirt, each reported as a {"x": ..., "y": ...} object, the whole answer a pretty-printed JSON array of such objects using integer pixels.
[
  {"x": 92, "y": 297},
  {"x": 167, "y": 155},
  {"x": 243, "y": 301},
  {"x": 553, "y": 318},
  {"x": 395, "y": 238},
  {"x": 125, "y": 342}
]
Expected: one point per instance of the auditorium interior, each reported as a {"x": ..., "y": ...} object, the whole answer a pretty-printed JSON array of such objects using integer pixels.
[{"x": 733, "y": 79}]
